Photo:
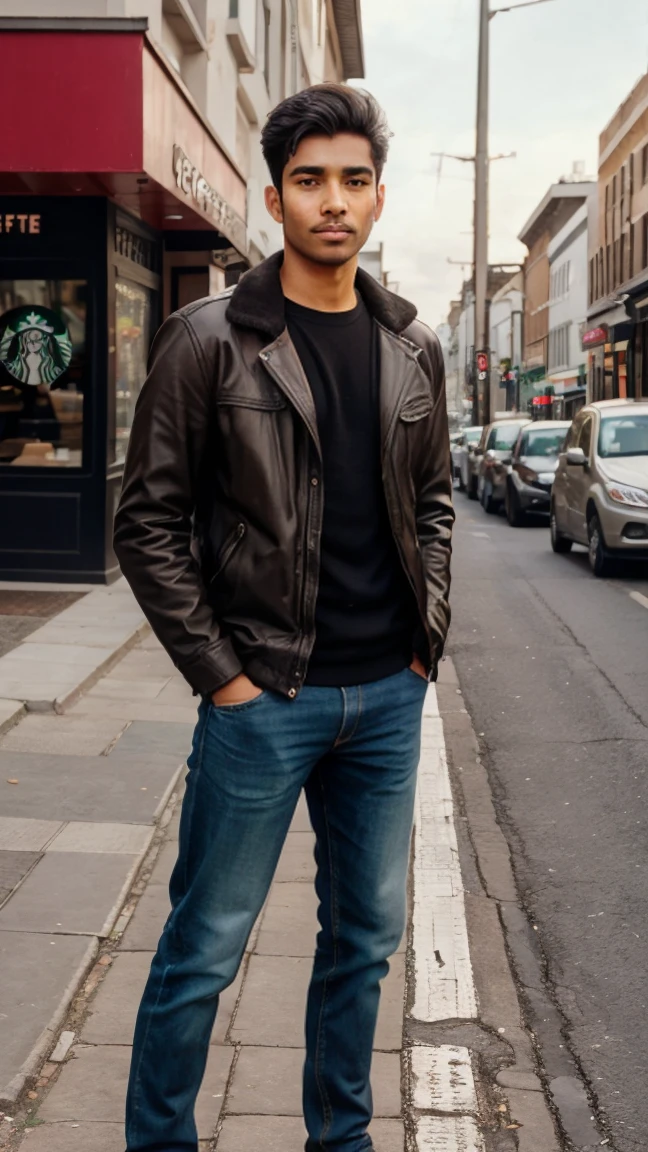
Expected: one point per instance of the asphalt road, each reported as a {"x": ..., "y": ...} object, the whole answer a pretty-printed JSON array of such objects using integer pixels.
[{"x": 554, "y": 668}]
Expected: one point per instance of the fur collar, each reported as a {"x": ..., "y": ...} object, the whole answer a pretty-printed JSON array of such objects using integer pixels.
[{"x": 258, "y": 302}]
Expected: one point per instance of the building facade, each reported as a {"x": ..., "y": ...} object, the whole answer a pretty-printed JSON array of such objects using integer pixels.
[
  {"x": 568, "y": 263},
  {"x": 131, "y": 184},
  {"x": 616, "y": 340},
  {"x": 506, "y": 331},
  {"x": 551, "y": 217}
]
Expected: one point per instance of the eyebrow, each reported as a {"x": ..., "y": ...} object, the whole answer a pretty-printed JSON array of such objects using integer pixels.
[{"x": 314, "y": 170}]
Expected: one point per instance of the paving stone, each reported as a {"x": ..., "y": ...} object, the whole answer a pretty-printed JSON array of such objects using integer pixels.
[
  {"x": 114, "y": 1009},
  {"x": 34, "y": 975},
  {"x": 270, "y": 1133},
  {"x": 80, "y": 1138},
  {"x": 10, "y": 712},
  {"x": 165, "y": 863},
  {"x": 25, "y": 835},
  {"x": 273, "y": 1003},
  {"x": 145, "y": 711},
  {"x": 301, "y": 819},
  {"x": 386, "y": 1083},
  {"x": 145, "y": 926},
  {"x": 287, "y": 1134},
  {"x": 128, "y": 690},
  {"x": 55, "y": 656},
  {"x": 177, "y": 691},
  {"x": 68, "y": 893},
  {"x": 289, "y": 924},
  {"x": 119, "y": 788},
  {"x": 267, "y": 1081},
  {"x": 131, "y": 839},
  {"x": 92, "y": 1087},
  {"x": 389, "y": 1029},
  {"x": 62, "y": 735},
  {"x": 297, "y": 862},
  {"x": 144, "y": 738},
  {"x": 13, "y": 866}
]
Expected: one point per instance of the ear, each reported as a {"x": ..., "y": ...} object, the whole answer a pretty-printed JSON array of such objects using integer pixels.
[
  {"x": 380, "y": 202},
  {"x": 273, "y": 203}
]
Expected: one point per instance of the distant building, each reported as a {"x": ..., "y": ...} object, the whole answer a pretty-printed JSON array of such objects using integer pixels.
[
  {"x": 566, "y": 361},
  {"x": 550, "y": 218},
  {"x": 506, "y": 329},
  {"x": 616, "y": 340}
]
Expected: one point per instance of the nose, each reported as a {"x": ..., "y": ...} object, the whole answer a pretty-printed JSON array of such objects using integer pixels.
[{"x": 334, "y": 202}]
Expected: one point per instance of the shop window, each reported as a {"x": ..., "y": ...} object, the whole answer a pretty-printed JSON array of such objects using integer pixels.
[
  {"x": 644, "y": 164},
  {"x": 43, "y": 372},
  {"x": 134, "y": 320}
]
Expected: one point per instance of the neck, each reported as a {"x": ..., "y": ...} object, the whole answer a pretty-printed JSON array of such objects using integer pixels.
[{"x": 323, "y": 287}]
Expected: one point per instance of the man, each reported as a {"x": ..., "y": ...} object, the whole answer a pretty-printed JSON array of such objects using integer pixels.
[{"x": 285, "y": 524}]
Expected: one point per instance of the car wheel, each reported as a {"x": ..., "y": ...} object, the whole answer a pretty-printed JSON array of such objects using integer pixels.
[
  {"x": 599, "y": 561},
  {"x": 559, "y": 543},
  {"x": 514, "y": 514}
]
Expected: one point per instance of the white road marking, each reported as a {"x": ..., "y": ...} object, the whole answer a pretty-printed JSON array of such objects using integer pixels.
[
  {"x": 442, "y": 1079},
  {"x": 481, "y": 535},
  {"x": 444, "y": 987},
  {"x": 448, "y": 1134},
  {"x": 639, "y": 598}
]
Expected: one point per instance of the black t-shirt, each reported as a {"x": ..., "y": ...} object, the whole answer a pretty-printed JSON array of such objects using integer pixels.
[{"x": 365, "y": 616}]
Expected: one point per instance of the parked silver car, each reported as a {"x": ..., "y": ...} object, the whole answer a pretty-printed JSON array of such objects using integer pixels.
[
  {"x": 462, "y": 451},
  {"x": 600, "y": 493}
]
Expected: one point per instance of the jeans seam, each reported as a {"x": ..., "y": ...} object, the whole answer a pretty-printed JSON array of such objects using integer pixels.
[
  {"x": 319, "y": 1045},
  {"x": 137, "y": 1084},
  {"x": 190, "y": 812},
  {"x": 339, "y": 739}
]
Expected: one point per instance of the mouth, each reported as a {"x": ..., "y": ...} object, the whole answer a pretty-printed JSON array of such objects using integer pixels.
[{"x": 334, "y": 231}]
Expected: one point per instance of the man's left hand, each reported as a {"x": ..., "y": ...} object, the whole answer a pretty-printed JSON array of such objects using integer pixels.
[{"x": 418, "y": 667}]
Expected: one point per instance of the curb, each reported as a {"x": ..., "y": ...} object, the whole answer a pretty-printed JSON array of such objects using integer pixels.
[
  {"x": 11, "y": 711},
  {"x": 471, "y": 1078},
  {"x": 11, "y": 1092}
]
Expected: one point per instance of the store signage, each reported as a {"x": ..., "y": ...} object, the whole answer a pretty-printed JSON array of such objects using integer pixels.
[
  {"x": 35, "y": 345},
  {"x": 539, "y": 401},
  {"x": 482, "y": 365},
  {"x": 17, "y": 222},
  {"x": 190, "y": 180},
  {"x": 595, "y": 337}
]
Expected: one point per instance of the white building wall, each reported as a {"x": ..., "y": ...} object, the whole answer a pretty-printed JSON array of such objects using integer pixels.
[{"x": 568, "y": 254}]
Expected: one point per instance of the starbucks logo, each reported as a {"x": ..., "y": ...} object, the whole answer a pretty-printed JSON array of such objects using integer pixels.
[{"x": 35, "y": 345}]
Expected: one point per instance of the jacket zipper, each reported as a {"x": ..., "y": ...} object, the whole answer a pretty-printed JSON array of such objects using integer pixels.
[{"x": 229, "y": 548}]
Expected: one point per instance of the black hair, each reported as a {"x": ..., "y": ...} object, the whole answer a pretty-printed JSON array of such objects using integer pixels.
[{"x": 323, "y": 110}]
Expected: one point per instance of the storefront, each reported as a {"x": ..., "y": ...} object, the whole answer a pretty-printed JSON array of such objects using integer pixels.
[{"x": 120, "y": 206}]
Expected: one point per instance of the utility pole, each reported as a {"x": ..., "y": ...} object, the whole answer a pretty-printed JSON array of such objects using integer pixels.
[
  {"x": 481, "y": 397},
  {"x": 482, "y": 387}
]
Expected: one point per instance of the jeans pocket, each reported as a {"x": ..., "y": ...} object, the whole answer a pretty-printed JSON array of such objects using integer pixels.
[{"x": 223, "y": 709}]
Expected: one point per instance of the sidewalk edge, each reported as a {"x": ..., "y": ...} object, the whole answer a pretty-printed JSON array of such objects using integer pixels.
[{"x": 10, "y": 1093}]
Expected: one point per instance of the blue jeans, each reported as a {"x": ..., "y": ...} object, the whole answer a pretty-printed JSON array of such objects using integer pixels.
[{"x": 355, "y": 751}]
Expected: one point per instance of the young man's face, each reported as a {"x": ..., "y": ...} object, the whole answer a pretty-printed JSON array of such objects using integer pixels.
[{"x": 330, "y": 199}]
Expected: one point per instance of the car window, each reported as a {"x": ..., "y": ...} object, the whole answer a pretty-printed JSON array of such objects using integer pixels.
[
  {"x": 623, "y": 436},
  {"x": 473, "y": 435},
  {"x": 492, "y": 436},
  {"x": 543, "y": 442},
  {"x": 503, "y": 437},
  {"x": 574, "y": 432},
  {"x": 585, "y": 438}
]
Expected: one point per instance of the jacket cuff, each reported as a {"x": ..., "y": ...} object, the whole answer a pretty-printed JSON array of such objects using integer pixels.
[{"x": 216, "y": 665}]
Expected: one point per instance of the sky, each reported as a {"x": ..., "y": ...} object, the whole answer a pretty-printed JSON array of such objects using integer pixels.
[{"x": 558, "y": 73}]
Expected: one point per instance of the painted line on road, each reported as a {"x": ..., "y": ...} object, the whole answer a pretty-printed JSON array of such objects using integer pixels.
[
  {"x": 443, "y": 1087},
  {"x": 639, "y": 598},
  {"x": 481, "y": 535}
]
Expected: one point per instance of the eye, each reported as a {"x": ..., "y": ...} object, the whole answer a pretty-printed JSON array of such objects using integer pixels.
[
  {"x": 307, "y": 182},
  {"x": 356, "y": 182}
]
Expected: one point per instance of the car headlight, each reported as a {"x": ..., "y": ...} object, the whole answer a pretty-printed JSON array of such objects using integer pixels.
[
  {"x": 547, "y": 477},
  {"x": 624, "y": 494}
]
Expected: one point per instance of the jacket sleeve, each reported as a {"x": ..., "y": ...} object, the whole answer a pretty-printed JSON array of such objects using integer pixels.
[
  {"x": 153, "y": 525},
  {"x": 434, "y": 511}
]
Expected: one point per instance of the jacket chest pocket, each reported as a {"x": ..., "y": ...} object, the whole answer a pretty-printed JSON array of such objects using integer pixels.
[{"x": 415, "y": 408}]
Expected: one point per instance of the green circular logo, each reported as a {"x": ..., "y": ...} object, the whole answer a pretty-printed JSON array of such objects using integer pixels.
[{"x": 35, "y": 345}]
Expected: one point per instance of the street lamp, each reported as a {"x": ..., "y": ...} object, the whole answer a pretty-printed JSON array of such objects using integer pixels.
[{"x": 486, "y": 14}]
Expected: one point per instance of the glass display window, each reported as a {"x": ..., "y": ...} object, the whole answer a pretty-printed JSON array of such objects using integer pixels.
[
  {"x": 135, "y": 310},
  {"x": 44, "y": 371}
]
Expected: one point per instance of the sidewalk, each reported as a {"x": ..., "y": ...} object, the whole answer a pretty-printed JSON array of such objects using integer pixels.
[{"x": 88, "y": 837}]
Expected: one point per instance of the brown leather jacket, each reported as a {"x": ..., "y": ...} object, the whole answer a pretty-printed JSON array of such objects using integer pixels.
[{"x": 219, "y": 524}]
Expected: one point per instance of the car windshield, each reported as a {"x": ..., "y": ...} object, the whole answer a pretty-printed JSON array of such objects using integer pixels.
[
  {"x": 473, "y": 435},
  {"x": 543, "y": 442},
  {"x": 623, "y": 436},
  {"x": 505, "y": 436}
]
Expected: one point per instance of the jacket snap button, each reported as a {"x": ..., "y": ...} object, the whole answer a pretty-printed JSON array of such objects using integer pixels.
[
  {"x": 292, "y": 693},
  {"x": 314, "y": 481}
]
